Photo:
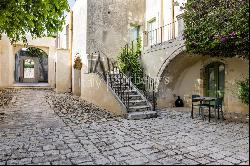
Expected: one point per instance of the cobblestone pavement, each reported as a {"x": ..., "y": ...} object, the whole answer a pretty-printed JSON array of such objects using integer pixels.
[{"x": 31, "y": 133}]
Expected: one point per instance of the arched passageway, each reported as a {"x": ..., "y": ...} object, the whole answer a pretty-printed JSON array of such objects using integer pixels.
[{"x": 31, "y": 66}]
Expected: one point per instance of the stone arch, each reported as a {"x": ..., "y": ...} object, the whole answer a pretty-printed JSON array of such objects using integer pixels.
[
  {"x": 169, "y": 77},
  {"x": 40, "y": 59},
  {"x": 178, "y": 52}
]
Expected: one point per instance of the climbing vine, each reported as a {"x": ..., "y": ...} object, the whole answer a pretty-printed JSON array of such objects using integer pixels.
[
  {"x": 217, "y": 27},
  {"x": 129, "y": 63}
]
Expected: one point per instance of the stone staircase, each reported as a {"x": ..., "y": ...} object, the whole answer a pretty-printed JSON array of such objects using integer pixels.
[{"x": 138, "y": 107}]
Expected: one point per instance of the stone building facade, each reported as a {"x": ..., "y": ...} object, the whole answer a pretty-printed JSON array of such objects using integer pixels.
[
  {"x": 106, "y": 26},
  {"x": 180, "y": 74}
]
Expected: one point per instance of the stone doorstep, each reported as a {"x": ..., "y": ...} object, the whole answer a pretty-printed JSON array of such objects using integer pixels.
[{"x": 141, "y": 115}]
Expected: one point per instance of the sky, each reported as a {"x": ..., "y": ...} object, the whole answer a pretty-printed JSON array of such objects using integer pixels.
[{"x": 71, "y": 3}]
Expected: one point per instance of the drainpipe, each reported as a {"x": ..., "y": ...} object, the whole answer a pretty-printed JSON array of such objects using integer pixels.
[
  {"x": 162, "y": 21},
  {"x": 173, "y": 18},
  {"x": 70, "y": 47}
]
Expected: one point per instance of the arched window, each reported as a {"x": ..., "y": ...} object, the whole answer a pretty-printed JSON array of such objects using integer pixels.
[{"x": 215, "y": 79}]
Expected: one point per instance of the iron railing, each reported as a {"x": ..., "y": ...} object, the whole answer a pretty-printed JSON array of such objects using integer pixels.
[
  {"x": 120, "y": 82},
  {"x": 107, "y": 69},
  {"x": 162, "y": 34},
  {"x": 121, "y": 85},
  {"x": 149, "y": 90}
]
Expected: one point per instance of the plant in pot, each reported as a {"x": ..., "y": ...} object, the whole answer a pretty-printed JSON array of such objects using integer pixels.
[{"x": 77, "y": 63}]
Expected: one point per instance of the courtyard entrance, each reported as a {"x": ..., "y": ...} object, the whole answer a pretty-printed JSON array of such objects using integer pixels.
[{"x": 31, "y": 66}]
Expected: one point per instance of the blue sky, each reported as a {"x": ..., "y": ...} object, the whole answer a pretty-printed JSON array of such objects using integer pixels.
[{"x": 71, "y": 3}]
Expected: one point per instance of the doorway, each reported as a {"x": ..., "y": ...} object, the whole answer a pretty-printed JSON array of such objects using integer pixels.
[{"x": 215, "y": 80}]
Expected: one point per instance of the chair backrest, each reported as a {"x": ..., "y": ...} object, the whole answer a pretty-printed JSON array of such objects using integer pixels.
[
  {"x": 195, "y": 96},
  {"x": 219, "y": 102}
]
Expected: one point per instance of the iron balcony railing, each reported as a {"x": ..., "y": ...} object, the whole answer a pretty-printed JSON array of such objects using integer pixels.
[{"x": 162, "y": 34}]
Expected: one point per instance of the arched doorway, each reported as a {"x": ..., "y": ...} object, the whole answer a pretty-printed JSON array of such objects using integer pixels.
[
  {"x": 214, "y": 76},
  {"x": 31, "y": 66}
]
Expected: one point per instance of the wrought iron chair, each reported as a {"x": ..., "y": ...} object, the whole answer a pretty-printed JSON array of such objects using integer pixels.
[
  {"x": 196, "y": 105},
  {"x": 217, "y": 106}
]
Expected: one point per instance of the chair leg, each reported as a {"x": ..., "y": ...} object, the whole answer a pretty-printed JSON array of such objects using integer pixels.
[
  {"x": 192, "y": 111},
  {"x": 202, "y": 114},
  {"x": 218, "y": 111},
  {"x": 215, "y": 112},
  {"x": 222, "y": 114}
]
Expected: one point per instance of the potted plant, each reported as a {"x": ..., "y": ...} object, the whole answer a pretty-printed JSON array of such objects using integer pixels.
[{"x": 77, "y": 63}]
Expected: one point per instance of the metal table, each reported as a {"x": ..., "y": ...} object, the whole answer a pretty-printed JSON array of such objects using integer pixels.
[{"x": 202, "y": 100}]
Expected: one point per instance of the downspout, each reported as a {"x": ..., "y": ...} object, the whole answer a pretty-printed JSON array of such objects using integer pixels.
[
  {"x": 173, "y": 18},
  {"x": 70, "y": 47}
]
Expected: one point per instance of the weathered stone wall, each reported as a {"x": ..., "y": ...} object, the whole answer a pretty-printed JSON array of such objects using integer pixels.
[{"x": 109, "y": 22}]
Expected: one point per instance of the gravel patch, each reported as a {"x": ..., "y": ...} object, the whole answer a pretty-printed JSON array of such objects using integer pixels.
[{"x": 72, "y": 109}]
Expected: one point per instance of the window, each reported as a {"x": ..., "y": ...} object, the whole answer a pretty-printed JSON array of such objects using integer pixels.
[
  {"x": 151, "y": 32},
  {"x": 134, "y": 33}
]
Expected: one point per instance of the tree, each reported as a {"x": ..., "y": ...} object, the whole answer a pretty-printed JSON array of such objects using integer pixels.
[
  {"x": 40, "y": 18},
  {"x": 217, "y": 27}
]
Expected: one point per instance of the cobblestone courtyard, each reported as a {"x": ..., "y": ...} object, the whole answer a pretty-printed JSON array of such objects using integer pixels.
[{"x": 33, "y": 132}]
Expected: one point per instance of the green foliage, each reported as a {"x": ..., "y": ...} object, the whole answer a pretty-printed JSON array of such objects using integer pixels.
[
  {"x": 243, "y": 91},
  {"x": 129, "y": 63},
  {"x": 29, "y": 65},
  {"x": 36, "y": 52},
  {"x": 40, "y": 18},
  {"x": 217, "y": 27}
]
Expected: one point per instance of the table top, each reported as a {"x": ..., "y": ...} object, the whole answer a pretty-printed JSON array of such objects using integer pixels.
[{"x": 205, "y": 98}]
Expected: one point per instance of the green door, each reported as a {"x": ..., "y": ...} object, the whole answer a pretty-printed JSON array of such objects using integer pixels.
[{"x": 215, "y": 80}]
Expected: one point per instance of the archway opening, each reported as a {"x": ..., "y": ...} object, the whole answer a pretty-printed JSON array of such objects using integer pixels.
[{"x": 31, "y": 66}]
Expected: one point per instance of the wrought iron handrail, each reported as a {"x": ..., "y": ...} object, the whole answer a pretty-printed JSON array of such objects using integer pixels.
[
  {"x": 119, "y": 82},
  {"x": 149, "y": 90}
]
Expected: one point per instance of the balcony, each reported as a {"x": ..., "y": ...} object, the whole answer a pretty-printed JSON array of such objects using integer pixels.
[
  {"x": 164, "y": 34},
  {"x": 161, "y": 45}
]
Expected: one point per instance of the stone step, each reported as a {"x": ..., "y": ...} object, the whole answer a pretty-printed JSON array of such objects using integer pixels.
[
  {"x": 141, "y": 115},
  {"x": 130, "y": 91},
  {"x": 139, "y": 108},
  {"x": 137, "y": 102}
]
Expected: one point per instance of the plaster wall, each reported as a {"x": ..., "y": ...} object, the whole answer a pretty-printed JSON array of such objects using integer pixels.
[
  {"x": 161, "y": 10},
  {"x": 6, "y": 53},
  {"x": 79, "y": 41},
  {"x": 94, "y": 90},
  {"x": 62, "y": 37},
  {"x": 8, "y": 58},
  {"x": 63, "y": 66}
]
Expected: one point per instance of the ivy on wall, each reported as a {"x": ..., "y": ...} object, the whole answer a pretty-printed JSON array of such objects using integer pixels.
[{"x": 217, "y": 27}]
